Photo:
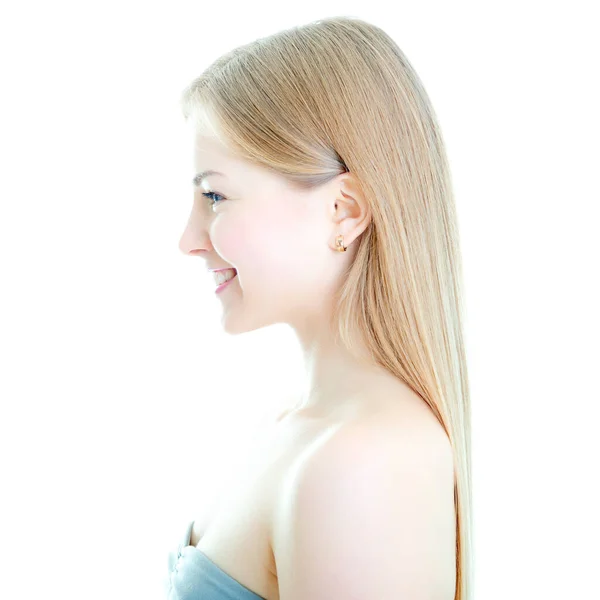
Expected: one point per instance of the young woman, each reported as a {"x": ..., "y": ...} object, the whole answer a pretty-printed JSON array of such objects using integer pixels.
[{"x": 323, "y": 200}]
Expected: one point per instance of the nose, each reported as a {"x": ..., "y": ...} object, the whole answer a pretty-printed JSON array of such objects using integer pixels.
[{"x": 194, "y": 238}]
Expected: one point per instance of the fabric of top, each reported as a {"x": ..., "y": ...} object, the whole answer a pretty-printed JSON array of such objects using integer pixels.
[{"x": 194, "y": 576}]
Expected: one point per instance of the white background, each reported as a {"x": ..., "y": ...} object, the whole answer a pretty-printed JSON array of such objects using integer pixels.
[{"x": 123, "y": 404}]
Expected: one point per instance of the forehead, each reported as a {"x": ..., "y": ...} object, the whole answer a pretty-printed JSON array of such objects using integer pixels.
[
  {"x": 206, "y": 149},
  {"x": 211, "y": 155}
]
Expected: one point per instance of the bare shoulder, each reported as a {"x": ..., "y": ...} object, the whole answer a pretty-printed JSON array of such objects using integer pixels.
[
  {"x": 379, "y": 487},
  {"x": 412, "y": 426},
  {"x": 392, "y": 437},
  {"x": 404, "y": 430}
]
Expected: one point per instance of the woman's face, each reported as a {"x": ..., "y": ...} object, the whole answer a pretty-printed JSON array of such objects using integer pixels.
[{"x": 278, "y": 239}]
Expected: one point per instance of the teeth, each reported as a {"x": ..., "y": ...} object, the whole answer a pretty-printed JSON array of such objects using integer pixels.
[{"x": 223, "y": 276}]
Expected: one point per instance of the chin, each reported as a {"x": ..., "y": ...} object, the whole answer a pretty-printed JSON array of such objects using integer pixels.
[{"x": 238, "y": 323}]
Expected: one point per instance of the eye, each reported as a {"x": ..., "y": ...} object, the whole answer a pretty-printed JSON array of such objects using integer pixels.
[{"x": 211, "y": 195}]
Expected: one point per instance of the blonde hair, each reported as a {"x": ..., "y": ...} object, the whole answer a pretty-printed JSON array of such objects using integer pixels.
[{"x": 338, "y": 94}]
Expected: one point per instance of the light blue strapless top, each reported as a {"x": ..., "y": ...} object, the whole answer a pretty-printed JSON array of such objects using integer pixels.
[{"x": 194, "y": 576}]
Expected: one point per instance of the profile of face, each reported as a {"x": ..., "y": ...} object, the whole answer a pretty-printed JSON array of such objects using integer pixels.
[{"x": 280, "y": 240}]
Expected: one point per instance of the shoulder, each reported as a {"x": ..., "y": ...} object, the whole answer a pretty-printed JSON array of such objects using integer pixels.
[
  {"x": 386, "y": 449},
  {"x": 384, "y": 443},
  {"x": 371, "y": 514}
]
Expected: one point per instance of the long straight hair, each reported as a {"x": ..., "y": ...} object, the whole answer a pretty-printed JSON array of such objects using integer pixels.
[{"x": 339, "y": 95}]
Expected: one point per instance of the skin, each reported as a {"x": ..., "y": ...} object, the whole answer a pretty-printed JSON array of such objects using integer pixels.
[{"x": 282, "y": 243}]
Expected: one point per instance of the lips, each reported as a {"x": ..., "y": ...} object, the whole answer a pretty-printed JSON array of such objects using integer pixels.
[{"x": 222, "y": 286}]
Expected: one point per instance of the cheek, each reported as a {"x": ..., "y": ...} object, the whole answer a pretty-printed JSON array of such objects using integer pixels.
[
  {"x": 272, "y": 251},
  {"x": 251, "y": 245},
  {"x": 268, "y": 248},
  {"x": 227, "y": 240}
]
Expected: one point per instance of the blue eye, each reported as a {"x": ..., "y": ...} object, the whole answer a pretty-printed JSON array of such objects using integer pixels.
[{"x": 210, "y": 196}]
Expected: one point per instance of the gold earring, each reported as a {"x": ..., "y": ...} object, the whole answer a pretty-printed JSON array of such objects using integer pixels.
[{"x": 339, "y": 243}]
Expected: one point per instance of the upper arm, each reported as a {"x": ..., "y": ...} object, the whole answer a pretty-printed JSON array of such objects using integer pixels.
[{"x": 371, "y": 516}]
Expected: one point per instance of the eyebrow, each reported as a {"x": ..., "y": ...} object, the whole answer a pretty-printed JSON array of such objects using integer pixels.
[{"x": 197, "y": 180}]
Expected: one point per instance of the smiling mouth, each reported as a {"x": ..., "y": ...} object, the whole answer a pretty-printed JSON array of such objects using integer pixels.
[
  {"x": 225, "y": 275},
  {"x": 223, "y": 283}
]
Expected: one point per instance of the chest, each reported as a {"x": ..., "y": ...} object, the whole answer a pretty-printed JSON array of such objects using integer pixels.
[{"x": 238, "y": 534}]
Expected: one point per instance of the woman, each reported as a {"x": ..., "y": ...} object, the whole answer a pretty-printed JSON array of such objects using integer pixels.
[{"x": 324, "y": 200}]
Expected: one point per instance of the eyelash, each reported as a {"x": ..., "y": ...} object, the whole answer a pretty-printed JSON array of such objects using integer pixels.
[{"x": 210, "y": 195}]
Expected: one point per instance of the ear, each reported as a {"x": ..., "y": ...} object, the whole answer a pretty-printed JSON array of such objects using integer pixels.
[{"x": 351, "y": 211}]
